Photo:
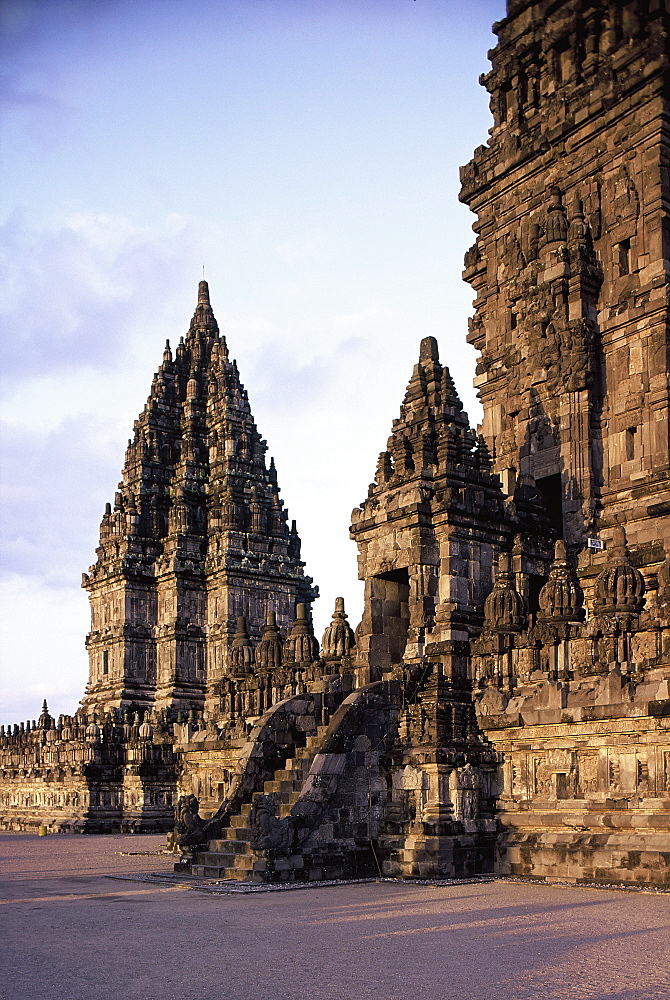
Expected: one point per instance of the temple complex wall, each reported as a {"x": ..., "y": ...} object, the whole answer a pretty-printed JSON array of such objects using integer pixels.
[
  {"x": 78, "y": 776},
  {"x": 587, "y": 801}
]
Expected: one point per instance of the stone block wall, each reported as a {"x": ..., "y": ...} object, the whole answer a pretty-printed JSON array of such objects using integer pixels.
[
  {"x": 586, "y": 801},
  {"x": 85, "y": 777}
]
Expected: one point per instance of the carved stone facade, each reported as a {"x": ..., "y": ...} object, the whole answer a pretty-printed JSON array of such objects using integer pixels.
[
  {"x": 504, "y": 703},
  {"x": 570, "y": 267},
  {"x": 197, "y": 538}
]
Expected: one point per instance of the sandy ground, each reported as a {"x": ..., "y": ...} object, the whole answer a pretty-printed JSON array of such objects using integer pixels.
[{"x": 70, "y": 931}]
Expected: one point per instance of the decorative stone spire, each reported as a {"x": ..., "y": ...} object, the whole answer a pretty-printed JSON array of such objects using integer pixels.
[
  {"x": 269, "y": 649},
  {"x": 338, "y": 639},
  {"x": 45, "y": 720},
  {"x": 301, "y": 646},
  {"x": 557, "y": 224},
  {"x": 620, "y": 587},
  {"x": 203, "y": 318},
  {"x": 579, "y": 231},
  {"x": 432, "y": 429},
  {"x": 241, "y": 651},
  {"x": 505, "y": 609},
  {"x": 561, "y": 598}
]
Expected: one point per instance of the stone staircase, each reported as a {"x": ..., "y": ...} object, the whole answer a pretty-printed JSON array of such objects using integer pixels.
[{"x": 232, "y": 857}]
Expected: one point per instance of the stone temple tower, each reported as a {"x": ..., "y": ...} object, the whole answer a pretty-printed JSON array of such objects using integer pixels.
[
  {"x": 570, "y": 267},
  {"x": 504, "y": 704},
  {"x": 197, "y": 537}
]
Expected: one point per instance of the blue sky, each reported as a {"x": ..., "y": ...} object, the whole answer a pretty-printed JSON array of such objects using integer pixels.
[{"x": 307, "y": 153}]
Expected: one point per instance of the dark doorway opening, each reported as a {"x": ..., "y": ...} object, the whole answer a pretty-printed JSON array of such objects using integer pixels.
[
  {"x": 390, "y": 611},
  {"x": 535, "y": 585},
  {"x": 551, "y": 491}
]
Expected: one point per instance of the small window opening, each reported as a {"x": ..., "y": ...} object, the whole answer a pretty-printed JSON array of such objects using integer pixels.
[
  {"x": 508, "y": 478},
  {"x": 630, "y": 443},
  {"x": 562, "y": 60},
  {"x": 624, "y": 257},
  {"x": 535, "y": 585},
  {"x": 390, "y": 612},
  {"x": 502, "y": 104},
  {"x": 512, "y": 320},
  {"x": 523, "y": 90},
  {"x": 617, "y": 25},
  {"x": 105, "y": 662},
  {"x": 562, "y": 786}
]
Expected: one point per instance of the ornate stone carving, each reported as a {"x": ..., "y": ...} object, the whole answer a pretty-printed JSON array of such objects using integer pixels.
[
  {"x": 561, "y": 598},
  {"x": 338, "y": 639},
  {"x": 268, "y": 832},
  {"x": 468, "y": 789},
  {"x": 268, "y": 655},
  {"x": 189, "y": 825},
  {"x": 620, "y": 587},
  {"x": 505, "y": 610},
  {"x": 301, "y": 646}
]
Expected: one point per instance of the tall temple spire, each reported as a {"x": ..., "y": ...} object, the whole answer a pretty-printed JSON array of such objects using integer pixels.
[{"x": 198, "y": 536}]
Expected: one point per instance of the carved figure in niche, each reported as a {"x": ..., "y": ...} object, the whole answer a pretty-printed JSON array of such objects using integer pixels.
[
  {"x": 468, "y": 785},
  {"x": 518, "y": 781},
  {"x": 542, "y": 434},
  {"x": 189, "y": 826},
  {"x": 543, "y": 779},
  {"x": 506, "y": 443},
  {"x": 588, "y": 775},
  {"x": 642, "y": 778},
  {"x": 623, "y": 199},
  {"x": 268, "y": 832},
  {"x": 512, "y": 256}
]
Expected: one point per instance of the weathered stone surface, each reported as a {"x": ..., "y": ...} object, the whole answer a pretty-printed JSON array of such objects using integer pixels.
[
  {"x": 504, "y": 704},
  {"x": 571, "y": 277}
]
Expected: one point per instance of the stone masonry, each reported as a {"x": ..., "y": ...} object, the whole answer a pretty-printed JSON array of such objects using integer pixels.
[
  {"x": 570, "y": 268},
  {"x": 504, "y": 703}
]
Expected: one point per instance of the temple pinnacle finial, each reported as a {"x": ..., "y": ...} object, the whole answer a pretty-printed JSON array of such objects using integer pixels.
[
  {"x": 203, "y": 292},
  {"x": 429, "y": 350}
]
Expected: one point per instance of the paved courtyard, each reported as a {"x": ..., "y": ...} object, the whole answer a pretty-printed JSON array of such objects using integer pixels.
[{"x": 70, "y": 931}]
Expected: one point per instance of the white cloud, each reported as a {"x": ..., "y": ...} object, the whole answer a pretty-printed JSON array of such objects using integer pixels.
[{"x": 44, "y": 626}]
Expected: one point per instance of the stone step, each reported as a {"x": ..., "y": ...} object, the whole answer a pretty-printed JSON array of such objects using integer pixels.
[
  {"x": 220, "y": 859},
  {"x": 235, "y": 874},
  {"x": 317, "y": 738},
  {"x": 296, "y": 763},
  {"x": 230, "y": 856},
  {"x": 241, "y": 819},
  {"x": 278, "y": 787},
  {"x": 237, "y": 833},
  {"x": 291, "y": 773},
  {"x": 224, "y": 872},
  {"x": 227, "y": 846}
]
